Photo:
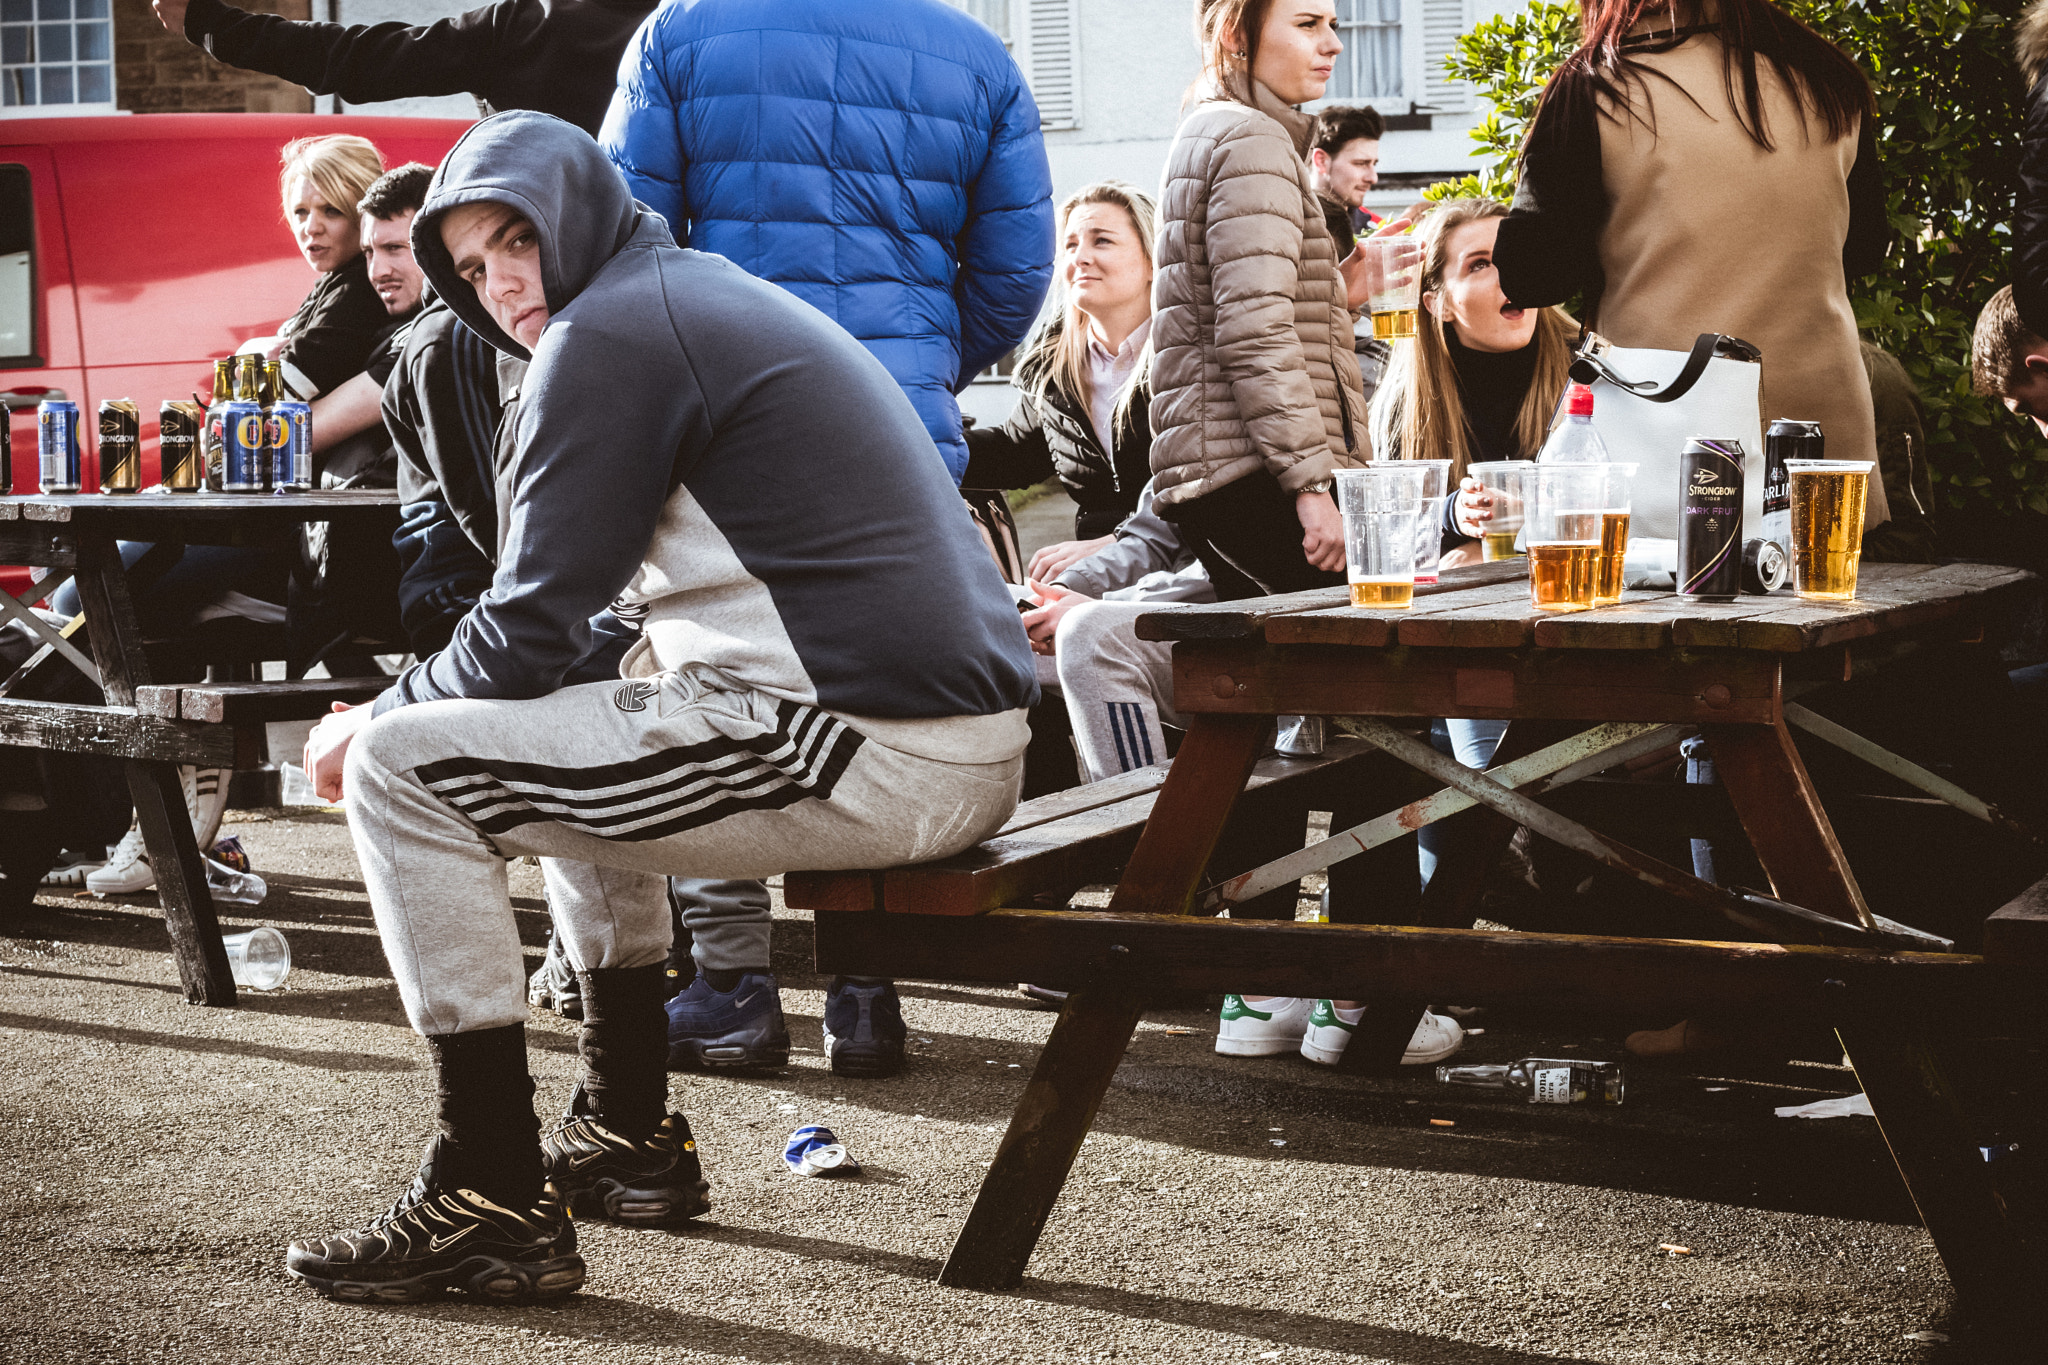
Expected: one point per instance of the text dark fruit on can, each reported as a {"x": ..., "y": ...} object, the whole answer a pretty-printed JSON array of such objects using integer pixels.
[
  {"x": 57, "y": 446},
  {"x": 179, "y": 434},
  {"x": 1710, "y": 519},
  {"x": 291, "y": 446},
  {"x": 120, "y": 446},
  {"x": 244, "y": 448}
]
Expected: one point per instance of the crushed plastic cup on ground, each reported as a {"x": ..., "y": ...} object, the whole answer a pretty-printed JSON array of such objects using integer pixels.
[
  {"x": 229, "y": 887},
  {"x": 1837, "y": 1107},
  {"x": 814, "y": 1150}
]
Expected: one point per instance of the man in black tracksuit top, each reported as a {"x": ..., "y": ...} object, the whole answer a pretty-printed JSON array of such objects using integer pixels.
[{"x": 560, "y": 57}]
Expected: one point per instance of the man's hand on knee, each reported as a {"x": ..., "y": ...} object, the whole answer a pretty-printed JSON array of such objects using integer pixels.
[{"x": 327, "y": 747}]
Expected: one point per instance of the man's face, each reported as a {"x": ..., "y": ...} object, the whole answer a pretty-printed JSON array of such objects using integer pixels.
[
  {"x": 2027, "y": 395},
  {"x": 387, "y": 247},
  {"x": 497, "y": 251},
  {"x": 1350, "y": 174}
]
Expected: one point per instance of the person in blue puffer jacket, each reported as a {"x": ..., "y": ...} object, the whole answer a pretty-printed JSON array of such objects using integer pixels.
[{"x": 881, "y": 161}]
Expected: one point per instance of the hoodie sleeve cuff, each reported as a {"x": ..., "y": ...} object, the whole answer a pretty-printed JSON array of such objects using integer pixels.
[
  {"x": 1312, "y": 469},
  {"x": 202, "y": 17}
]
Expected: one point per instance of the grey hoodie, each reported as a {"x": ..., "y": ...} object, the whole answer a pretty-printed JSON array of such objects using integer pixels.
[{"x": 715, "y": 456}]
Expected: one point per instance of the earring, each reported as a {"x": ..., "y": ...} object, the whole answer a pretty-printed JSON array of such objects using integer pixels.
[{"x": 1237, "y": 56}]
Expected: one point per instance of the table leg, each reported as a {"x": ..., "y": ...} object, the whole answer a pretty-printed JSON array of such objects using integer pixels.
[
  {"x": 1214, "y": 762},
  {"x": 159, "y": 798},
  {"x": 1044, "y": 1137},
  {"x": 1783, "y": 817}
]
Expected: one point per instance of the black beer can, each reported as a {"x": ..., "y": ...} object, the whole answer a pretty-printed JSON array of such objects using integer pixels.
[
  {"x": 1765, "y": 567},
  {"x": 120, "y": 446},
  {"x": 180, "y": 426},
  {"x": 1710, "y": 519},
  {"x": 1786, "y": 440},
  {"x": 6, "y": 450}
]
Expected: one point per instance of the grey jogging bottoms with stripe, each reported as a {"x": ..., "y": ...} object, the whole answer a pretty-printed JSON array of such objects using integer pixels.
[
  {"x": 1118, "y": 688},
  {"x": 617, "y": 786}
]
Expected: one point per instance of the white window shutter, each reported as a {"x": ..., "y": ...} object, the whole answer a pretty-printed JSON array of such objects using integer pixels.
[
  {"x": 1443, "y": 23},
  {"x": 1051, "y": 58}
]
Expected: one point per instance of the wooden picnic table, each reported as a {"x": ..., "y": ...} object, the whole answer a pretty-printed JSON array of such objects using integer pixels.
[
  {"x": 155, "y": 729},
  {"x": 1583, "y": 692}
]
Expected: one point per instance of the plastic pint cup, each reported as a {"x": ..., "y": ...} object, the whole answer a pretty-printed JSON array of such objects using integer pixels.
[
  {"x": 1429, "y": 521},
  {"x": 1394, "y": 275},
  {"x": 1381, "y": 504},
  {"x": 260, "y": 958},
  {"x": 1614, "y": 514},
  {"x": 1827, "y": 526},
  {"x": 1563, "y": 534},
  {"x": 1502, "y": 480}
]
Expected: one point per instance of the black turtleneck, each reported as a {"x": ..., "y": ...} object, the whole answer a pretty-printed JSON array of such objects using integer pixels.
[{"x": 1492, "y": 386}]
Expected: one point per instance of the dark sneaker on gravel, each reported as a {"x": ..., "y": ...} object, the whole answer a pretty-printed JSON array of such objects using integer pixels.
[
  {"x": 728, "y": 1031},
  {"x": 863, "y": 1029},
  {"x": 651, "y": 1183},
  {"x": 436, "y": 1239}
]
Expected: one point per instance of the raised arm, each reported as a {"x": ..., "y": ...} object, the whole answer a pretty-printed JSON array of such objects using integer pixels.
[
  {"x": 361, "y": 63},
  {"x": 1006, "y": 249}
]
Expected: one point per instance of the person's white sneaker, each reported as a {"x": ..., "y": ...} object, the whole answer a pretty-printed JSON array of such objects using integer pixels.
[
  {"x": 127, "y": 869},
  {"x": 1265, "y": 1029},
  {"x": 1326, "y": 1037}
]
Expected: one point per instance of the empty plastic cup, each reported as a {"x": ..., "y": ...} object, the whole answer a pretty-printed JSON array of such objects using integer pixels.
[
  {"x": 1429, "y": 525},
  {"x": 1380, "y": 504},
  {"x": 259, "y": 958}
]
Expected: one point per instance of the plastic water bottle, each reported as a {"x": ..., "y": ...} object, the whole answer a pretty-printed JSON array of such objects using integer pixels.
[
  {"x": 1545, "y": 1080},
  {"x": 1575, "y": 441}
]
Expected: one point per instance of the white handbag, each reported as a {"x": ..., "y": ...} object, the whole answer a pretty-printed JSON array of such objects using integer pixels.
[{"x": 1648, "y": 404}]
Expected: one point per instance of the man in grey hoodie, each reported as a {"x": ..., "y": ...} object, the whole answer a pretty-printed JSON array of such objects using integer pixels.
[{"x": 778, "y": 707}]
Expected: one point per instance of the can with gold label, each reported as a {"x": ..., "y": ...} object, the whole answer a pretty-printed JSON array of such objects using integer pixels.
[
  {"x": 181, "y": 427},
  {"x": 120, "y": 446}
]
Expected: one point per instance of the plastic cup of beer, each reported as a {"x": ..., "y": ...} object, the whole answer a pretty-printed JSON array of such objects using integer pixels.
[
  {"x": 1827, "y": 526},
  {"x": 259, "y": 958},
  {"x": 1429, "y": 519},
  {"x": 1503, "y": 481},
  {"x": 1394, "y": 276},
  {"x": 1615, "y": 503},
  {"x": 1567, "y": 505},
  {"x": 1381, "y": 504}
]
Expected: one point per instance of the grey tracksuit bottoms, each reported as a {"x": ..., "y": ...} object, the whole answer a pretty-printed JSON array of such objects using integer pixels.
[
  {"x": 1117, "y": 687},
  {"x": 619, "y": 785},
  {"x": 728, "y": 919}
]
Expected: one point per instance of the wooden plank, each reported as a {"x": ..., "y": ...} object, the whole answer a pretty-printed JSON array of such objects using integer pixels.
[
  {"x": 1245, "y": 620},
  {"x": 1718, "y": 625},
  {"x": 1170, "y": 954},
  {"x": 267, "y": 701},
  {"x": 1358, "y": 627},
  {"x": 1789, "y": 830},
  {"x": 843, "y": 892},
  {"x": 1213, "y": 764},
  {"x": 113, "y": 732},
  {"x": 2017, "y": 932},
  {"x": 153, "y": 699},
  {"x": 21, "y": 543},
  {"x": 211, "y": 518},
  {"x": 1504, "y": 624},
  {"x": 1052, "y": 1119},
  {"x": 1883, "y": 606},
  {"x": 1333, "y": 680}
]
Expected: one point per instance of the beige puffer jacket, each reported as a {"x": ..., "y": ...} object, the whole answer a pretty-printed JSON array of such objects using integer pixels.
[{"x": 1272, "y": 382}]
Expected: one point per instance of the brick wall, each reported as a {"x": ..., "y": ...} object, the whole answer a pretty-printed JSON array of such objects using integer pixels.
[{"x": 158, "y": 72}]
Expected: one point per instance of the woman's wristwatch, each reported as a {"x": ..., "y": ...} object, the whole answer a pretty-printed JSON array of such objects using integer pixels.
[{"x": 1319, "y": 486}]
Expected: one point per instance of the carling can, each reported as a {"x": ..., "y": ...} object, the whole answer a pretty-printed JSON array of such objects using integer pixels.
[
  {"x": 120, "y": 446},
  {"x": 181, "y": 430},
  {"x": 244, "y": 448},
  {"x": 1786, "y": 440},
  {"x": 1710, "y": 519},
  {"x": 291, "y": 446},
  {"x": 57, "y": 463}
]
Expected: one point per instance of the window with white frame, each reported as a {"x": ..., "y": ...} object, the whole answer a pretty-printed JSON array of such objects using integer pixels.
[
  {"x": 994, "y": 13},
  {"x": 56, "y": 52},
  {"x": 1369, "y": 68},
  {"x": 1044, "y": 36}
]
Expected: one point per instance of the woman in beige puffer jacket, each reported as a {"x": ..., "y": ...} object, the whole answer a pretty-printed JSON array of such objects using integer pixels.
[{"x": 1256, "y": 393}]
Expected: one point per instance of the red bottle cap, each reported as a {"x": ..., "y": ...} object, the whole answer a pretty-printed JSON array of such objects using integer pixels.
[{"x": 1581, "y": 400}]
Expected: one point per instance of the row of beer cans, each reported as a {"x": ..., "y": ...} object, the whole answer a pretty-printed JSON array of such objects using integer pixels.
[{"x": 237, "y": 446}]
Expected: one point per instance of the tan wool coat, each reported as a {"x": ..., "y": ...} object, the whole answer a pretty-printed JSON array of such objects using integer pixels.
[{"x": 1253, "y": 367}]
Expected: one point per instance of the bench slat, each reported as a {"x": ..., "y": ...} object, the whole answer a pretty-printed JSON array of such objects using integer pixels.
[{"x": 214, "y": 703}]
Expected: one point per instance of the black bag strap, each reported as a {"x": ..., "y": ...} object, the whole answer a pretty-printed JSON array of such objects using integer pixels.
[{"x": 1589, "y": 365}]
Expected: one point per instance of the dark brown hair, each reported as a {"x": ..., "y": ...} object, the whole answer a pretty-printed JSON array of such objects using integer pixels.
[
  {"x": 1339, "y": 124},
  {"x": 1826, "y": 84},
  {"x": 1214, "y": 22}
]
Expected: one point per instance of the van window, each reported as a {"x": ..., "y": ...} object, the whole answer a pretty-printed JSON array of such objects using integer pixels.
[{"x": 17, "y": 266}]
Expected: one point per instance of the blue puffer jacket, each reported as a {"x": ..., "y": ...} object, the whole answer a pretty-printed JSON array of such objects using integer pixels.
[{"x": 879, "y": 160}]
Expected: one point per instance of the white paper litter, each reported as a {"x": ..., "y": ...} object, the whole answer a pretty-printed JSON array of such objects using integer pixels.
[{"x": 1839, "y": 1107}]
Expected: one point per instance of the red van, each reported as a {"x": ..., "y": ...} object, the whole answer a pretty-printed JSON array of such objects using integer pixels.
[{"x": 135, "y": 250}]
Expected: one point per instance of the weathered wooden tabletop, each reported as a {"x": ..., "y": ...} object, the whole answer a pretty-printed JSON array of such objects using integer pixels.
[{"x": 36, "y": 528}]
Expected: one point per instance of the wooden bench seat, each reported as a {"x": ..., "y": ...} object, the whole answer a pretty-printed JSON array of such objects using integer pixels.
[{"x": 254, "y": 702}]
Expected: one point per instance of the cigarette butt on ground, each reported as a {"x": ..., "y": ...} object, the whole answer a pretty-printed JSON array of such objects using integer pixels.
[
  {"x": 1443, "y": 1123},
  {"x": 1674, "y": 1249}
]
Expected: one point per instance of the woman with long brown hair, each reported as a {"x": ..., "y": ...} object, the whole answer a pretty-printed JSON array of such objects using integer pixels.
[{"x": 1710, "y": 166}]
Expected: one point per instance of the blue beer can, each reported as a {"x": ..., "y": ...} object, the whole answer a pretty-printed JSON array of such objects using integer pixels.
[
  {"x": 291, "y": 446},
  {"x": 244, "y": 448},
  {"x": 57, "y": 446}
]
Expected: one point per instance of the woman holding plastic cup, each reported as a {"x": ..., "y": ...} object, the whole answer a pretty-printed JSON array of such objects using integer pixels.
[{"x": 1480, "y": 382}]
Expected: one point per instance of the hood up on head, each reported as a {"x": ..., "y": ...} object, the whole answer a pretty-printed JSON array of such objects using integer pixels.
[
  {"x": 556, "y": 175},
  {"x": 2030, "y": 40}
]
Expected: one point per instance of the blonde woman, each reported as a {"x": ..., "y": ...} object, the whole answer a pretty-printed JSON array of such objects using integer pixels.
[
  {"x": 330, "y": 337},
  {"x": 1081, "y": 410}
]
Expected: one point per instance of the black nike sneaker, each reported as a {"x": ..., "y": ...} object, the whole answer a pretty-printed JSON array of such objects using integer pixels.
[
  {"x": 655, "y": 1182},
  {"x": 436, "y": 1239}
]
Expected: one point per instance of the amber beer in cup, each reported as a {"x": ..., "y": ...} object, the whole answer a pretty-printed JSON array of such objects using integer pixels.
[
  {"x": 1503, "y": 480},
  {"x": 1827, "y": 526},
  {"x": 1381, "y": 504},
  {"x": 1614, "y": 514},
  {"x": 1564, "y": 531},
  {"x": 1394, "y": 268}
]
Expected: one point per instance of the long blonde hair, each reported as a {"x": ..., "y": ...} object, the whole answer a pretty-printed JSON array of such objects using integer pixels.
[
  {"x": 1057, "y": 354},
  {"x": 340, "y": 165},
  {"x": 1419, "y": 402}
]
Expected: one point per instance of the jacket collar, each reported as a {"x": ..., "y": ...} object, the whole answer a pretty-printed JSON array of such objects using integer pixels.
[{"x": 1239, "y": 87}]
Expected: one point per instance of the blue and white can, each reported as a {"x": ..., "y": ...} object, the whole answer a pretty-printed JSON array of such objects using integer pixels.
[
  {"x": 291, "y": 446},
  {"x": 57, "y": 462},
  {"x": 813, "y": 1150},
  {"x": 244, "y": 447}
]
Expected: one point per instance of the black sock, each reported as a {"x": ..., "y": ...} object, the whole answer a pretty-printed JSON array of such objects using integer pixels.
[
  {"x": 726, "y": 982},
  {"x": 625, "y": 1048},
  {"x": 489, "y": 1139}
]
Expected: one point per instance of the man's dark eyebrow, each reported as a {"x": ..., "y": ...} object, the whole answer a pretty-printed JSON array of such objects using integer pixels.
[{"x": 514, "y": 223}]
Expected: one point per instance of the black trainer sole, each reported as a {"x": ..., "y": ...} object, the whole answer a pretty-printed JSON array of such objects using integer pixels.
[
  {"x": 863, "y": 1061},
  {"x": 642, "y": 1206},
  {"x": 490, "y": 1278},
  {"x": 697, "y": 1054}
]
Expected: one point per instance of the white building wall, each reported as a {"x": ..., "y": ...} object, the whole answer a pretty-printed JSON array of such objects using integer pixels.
[{"x": 405, "y": 12}]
